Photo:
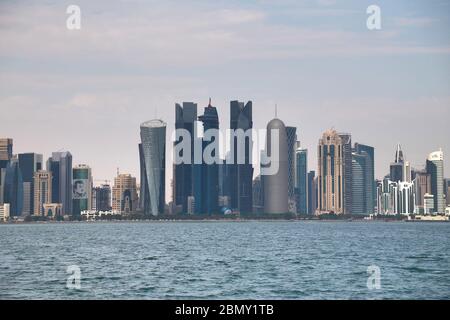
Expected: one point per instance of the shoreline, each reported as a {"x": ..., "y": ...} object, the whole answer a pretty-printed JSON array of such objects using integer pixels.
[{"x": 241, "y": 220}]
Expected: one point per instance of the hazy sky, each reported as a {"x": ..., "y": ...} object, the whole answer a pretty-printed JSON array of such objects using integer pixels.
[{"x": 88, "y": 90}]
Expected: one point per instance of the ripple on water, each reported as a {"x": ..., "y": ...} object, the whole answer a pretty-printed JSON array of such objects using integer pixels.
[{"x": 252, "y": 260}]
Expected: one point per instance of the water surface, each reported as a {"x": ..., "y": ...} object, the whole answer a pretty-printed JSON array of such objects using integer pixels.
[{"x": 225, "y": 260}]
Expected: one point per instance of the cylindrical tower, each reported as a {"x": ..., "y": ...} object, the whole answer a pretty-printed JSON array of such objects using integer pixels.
[
  {"x": 153, "y": 166},
  {"x": 276, "y": 185}
]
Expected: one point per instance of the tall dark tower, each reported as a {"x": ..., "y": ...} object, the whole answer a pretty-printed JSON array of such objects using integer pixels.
[
  {"x": 396, "y": 171},
  {"x": 185, "y": 118},
  {"x": 291, "y": 134},
  {"x": 60, "y": 165},
  {"x": 209, "y": 172},
  {"x": 241, "y": 175}
]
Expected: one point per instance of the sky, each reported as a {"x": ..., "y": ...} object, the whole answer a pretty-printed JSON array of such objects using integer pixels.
[{"x": 87, "y": 91}]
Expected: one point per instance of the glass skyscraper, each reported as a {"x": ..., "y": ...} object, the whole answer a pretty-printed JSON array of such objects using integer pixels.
[
  {"x": 359, "y": 184},
  {"x": 60, "y": 165},
  {"x": 101, "y": 198},
  {"x": 301, "y": 174},
  {"x": 29, "y": 163},
  {"x": 364, "y": 156},
  {"x": 241, "y": 175},
  {"x": 291, "y": 134},
  {"x": 153, "y": 166},
  {"x": 13, "y": 188},
  {"x": 312, "y": 192},
  {"x": 396, "y": 171},
  {"x": 206, "y": 176},
  {"x": 185, "y": 118}
]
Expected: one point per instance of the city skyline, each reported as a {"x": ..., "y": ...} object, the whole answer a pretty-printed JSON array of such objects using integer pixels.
[
  {"x": 399, "y": 154},
  {"x": 345, "y": 182},
  {"x": 320, "y": 64}
]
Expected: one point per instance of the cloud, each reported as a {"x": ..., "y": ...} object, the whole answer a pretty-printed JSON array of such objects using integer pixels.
[{"x": 167, "y": 35}]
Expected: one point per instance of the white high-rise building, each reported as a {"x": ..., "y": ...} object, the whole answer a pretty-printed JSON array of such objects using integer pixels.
[{"x": 435, "y": 167}]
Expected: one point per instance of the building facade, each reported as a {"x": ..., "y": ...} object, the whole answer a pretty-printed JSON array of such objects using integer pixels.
[
  {"x": 153, "y": 166},
  {"x": 60, "y": 165},
  {"x": 422, "y": 183},
  {"x": 359, "y": 184},
  {"x": 6, "y": 151},
  {"x": 301, "y": 180},
  {"x": 435, "y": 167},
  {"x": 206, "y": 176},
  {"x": 447, "y": 191},
  {"x": 29, "y": 163},
  {"x": 185, "y": 118},
  {"x": 82, "y": 185},
  {"x": 101, "y": 198},
  {"x": 4, "y": 212},
  {"x": 42, "y": 191},
  {"x": 13, "y": 188},
  {"x": 368, "y": 153},
  {"x": 276, "y": 185},
  {"x": 124, "y": 194},
  {"x": 334, "y": 173},
  {"x": 241, "y": 174},
  {"x": 291, "y": 135}
]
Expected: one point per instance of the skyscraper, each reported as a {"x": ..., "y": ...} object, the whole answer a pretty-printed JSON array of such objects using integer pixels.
[
  {"x": 422, "y": 187},
  {"x": 42, "y": 191},
  {"x": 334, "y": 173},
  {"x": 301, "y": 183},
  {"x": 397, "y": 169},
  {"x": 185, "y": 118},
  {"x": 29, "y": 163},
  {"x": 82, "y": 189},
  {"x": 153, "y": 166},
  {"x": 447, "y": 191},
  {"x": 359, "y": 184},
  {"x": 312, "y": 192},
  {"x": 258, "y": 195},
  {"x": 387, "y": 197},
  {"x": 406, "y": 203},
  {"x": 6, "y": 151},
  {"x": 13, "y": 188},
  {"x": 102, "y": 196},
  {"x": 347, "y": 171},
  {"x": 241, "y": 174},
  {"x": 60, "y": 165},
  {"x": 124, "y": 194},
  {"x": 370, "y": 185},
  {"x": 435, "y": 167},
  {"x": 291, "y": 134},
  {"x": 275, "y": 185},
  {"x": 206, "y": 180}
]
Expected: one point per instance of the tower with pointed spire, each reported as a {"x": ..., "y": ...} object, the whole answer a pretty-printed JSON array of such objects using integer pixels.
[
  {"x": 397, "y": 168},
  {"x": 206, "y": 176}
]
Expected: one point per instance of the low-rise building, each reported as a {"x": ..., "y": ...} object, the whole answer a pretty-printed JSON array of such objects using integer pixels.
[{"x": 4, "y": 212}]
